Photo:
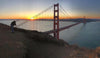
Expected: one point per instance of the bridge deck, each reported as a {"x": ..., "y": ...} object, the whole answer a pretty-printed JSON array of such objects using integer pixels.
[{"x": 60, "y": 29}]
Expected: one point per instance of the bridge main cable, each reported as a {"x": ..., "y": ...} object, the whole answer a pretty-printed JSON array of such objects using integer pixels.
[
  {"x": 43, "y": 11},
  {"x": 65, "y": 11},
  {"x": 35, "y": 15}
]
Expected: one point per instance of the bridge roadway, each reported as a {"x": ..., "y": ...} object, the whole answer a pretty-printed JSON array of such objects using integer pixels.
[{"x": 63, "y": 28}]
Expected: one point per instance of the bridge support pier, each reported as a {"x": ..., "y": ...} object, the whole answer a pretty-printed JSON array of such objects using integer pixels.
[{"x": 56, "y": 20}]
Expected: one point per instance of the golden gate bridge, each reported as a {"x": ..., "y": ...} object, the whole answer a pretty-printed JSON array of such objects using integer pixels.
[{"x": 58, "y": 13}]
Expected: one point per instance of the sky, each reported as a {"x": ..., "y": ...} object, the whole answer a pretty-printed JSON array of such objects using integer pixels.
[{"x": 25, "y": 9}]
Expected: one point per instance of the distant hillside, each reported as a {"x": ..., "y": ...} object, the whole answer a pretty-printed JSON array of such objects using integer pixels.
[{"x": 72, "y": 20}]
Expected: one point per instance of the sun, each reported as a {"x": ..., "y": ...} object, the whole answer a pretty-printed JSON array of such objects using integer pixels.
[{"x": 32, "y": 18}]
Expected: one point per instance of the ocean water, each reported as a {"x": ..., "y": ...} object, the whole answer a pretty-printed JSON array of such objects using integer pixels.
[{"x": 87, "y": 35}]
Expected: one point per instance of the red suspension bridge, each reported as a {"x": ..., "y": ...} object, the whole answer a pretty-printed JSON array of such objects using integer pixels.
[{"x": 58, "y": 13}]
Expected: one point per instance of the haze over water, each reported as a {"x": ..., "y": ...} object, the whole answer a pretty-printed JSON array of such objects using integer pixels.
[{"x": 83, "y": 35}]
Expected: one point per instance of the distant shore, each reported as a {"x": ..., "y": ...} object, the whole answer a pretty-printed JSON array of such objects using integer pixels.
[{"x": 72, "y": 20}]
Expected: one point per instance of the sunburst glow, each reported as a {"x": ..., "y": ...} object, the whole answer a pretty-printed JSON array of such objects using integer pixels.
[{"x": 32, "y": 18}]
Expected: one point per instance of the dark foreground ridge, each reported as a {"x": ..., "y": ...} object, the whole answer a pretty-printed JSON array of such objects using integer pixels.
[{"x": 34, "y": 44}]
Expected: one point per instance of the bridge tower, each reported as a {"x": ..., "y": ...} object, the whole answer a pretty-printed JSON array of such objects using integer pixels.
[
  {"x": 56, "y": 20},
  {"x": 84, "y": 20}
]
